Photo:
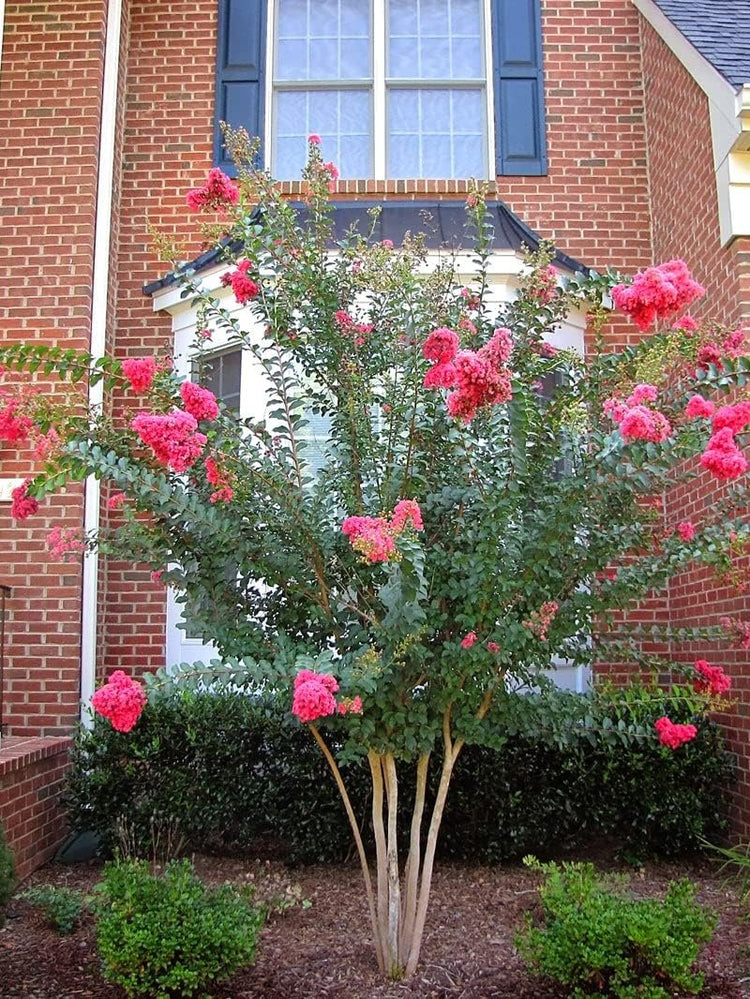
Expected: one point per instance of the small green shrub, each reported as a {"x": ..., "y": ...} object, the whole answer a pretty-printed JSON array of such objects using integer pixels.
[
  {"x": 601, "y": 942},
  {"x": 62, "y": 907},
  {"x": 170, "y": 935},
  {"x": 7, "y": 874}
]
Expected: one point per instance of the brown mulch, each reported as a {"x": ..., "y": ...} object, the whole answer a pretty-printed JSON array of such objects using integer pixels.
[{"x": 324, "y": 950}]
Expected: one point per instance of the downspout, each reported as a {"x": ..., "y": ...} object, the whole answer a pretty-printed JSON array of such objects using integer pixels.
[{"x": 99, "y": 297}]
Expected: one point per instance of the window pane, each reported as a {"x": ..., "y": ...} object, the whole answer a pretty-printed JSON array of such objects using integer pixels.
[
  {"x": 437, "y": 134},
  {"x": 435, "y": 39},
  {"x": 221, "y": 373},
  {"x": 343, "y": 120},
  {"x": 323, "y": 40}
]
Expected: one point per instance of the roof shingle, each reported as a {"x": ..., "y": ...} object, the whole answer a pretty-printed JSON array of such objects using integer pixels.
[{"x": 719, "y": 30}]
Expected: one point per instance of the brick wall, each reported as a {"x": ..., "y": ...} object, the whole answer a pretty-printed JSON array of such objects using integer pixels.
[
  {"x": 685, "y": 224},
  {"x": 50, "y": 96},
  {"x": 32, "y": 773}
]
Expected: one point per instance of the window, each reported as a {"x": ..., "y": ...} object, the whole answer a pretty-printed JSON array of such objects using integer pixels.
[
  {"x": 397, "y": 89},
  {"x": 221, "y": 372},
  {"x": 402, "y": 89}
]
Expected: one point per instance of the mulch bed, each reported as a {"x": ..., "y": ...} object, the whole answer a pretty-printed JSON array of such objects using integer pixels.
[{"x": 324, "y": 951}]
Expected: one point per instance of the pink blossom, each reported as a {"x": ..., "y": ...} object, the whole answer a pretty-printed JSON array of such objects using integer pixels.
[
  {"x": 641, "y": 423},
  {"x": 642, "y": 393},
  {"x": 47, "y": 445},
  {"x": 64, "y": 542},
  {"x": 216, "y": 476},
  {"x": 686, "y": 530},
  {"x": 672, "y": 735},
  {"x": 468, "y": 640},
  {"x": 372, "y": 537},
  {"x": 738, "y": 630},
  {"x": 685, "y": 323},
  {"x": 205, "y": 333},
  {"x": 709, "y": 353},
  {"x": 543, "y": 286},
  {"x": 711, "y": 680},
  {"x": 441, "y": 345},
  {"x": 244, "y": 288},
  {"x": 734, "y": 344},
  {"x": 499, "y": 347},
  {"x": 313, "y": 695},
  {"x": 121, "y": 699},
  {"x": 493, "y": 647},
  {"x": 218, "y": 192},
  {"x": 466, "y": 324},
  {"x": 314, "y": 139},
  {"x": 657, "y": 292},
  {"x": 405, "y": 512},
  {"x": 699, "y": 407},
  {"x": 14, "y": 426},
  {"x": 332, "y": 170},
  {"x": 199, "y": 402},
  {"x": 540, "y": 621},
  {"x": 115, "y": 501},
  {"x": 140, "y": 372},
  {"x": 440, "y": 376},
  {"x": 614, "y": 408},
  {"x": 736, "y": 417},
  {"x": 23, "y": 505},
  {"x": 387, "y": 244},
  {"x": 172, "y": 437},
  {"x": 352, "y": 706},
  {"x": 479, "y": 383},
  {"x": 723, "y": 457},
  {"x": 156, "y": 575}
]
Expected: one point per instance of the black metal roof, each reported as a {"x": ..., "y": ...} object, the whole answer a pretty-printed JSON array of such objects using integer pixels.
[
  {"x": 719, "y": 29},
  {"x": 443, "y": 224}
]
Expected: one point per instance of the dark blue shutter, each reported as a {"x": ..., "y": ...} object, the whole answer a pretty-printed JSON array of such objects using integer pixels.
[
  {"x": 519, "y": 87},
  {"x": 240, "y": 71}
]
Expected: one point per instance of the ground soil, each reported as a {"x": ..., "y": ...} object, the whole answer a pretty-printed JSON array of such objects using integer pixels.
[{"x": 324, "y": 950}]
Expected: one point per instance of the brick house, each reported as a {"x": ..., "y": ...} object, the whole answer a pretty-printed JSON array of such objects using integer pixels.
[{"x": 575, "y": 111}]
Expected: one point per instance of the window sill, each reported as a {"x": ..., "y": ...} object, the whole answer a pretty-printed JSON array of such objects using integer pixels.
[{"x": 377, "y": 188}]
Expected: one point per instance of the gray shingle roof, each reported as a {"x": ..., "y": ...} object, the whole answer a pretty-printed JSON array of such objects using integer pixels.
[{"x": 719, "y": 29}]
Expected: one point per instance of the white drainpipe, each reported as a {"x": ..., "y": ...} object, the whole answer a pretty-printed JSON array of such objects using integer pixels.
[{"x": 99, "y": 295}]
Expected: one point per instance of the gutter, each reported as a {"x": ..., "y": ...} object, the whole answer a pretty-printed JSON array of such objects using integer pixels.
[{"x": 99, "y": 297}]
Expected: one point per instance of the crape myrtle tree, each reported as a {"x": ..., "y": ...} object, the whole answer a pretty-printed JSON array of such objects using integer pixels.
[{"x": 487, "y": 505}]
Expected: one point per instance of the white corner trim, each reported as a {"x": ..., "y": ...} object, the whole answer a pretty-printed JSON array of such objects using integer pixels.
[
  {"x": 729, "y": 113},
  {"x": 99, "y": 295}
]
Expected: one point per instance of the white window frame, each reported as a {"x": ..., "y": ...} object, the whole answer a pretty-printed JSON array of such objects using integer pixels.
[{"x": 379, "y": 92}]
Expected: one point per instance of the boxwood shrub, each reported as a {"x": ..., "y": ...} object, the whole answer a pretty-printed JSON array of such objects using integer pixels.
[{"x": 224, "y": 770}]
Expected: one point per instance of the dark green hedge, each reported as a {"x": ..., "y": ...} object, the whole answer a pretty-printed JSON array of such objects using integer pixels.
[{"x": 224, "y": 771}]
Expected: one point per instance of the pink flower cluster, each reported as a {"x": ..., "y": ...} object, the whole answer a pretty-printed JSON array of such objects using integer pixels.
[
  {"x": 686, "y": 530},
  {"x": 543, "y": 285},
  {"x": 121, "y": 699},
  {"x": 313, "y": 697},
  {"x": 635, "y": 419},
  {"x": 218, "y": 192},
  {"x": 540, "y": 621},
  {"x": 216, "y": 476},
  {"x": 699, "y": 408},
  {"x": 375, "y": 537},
  {"x": 173, "y": 438},
  {"x": 657, "y": 292},
  {"x": 738, "y": 630},
  {"x": 46, "y": 445},
  {"x": 711, "y": 680},
  {"x": 22, "y": 505},
  {"x": 244, "y": 288},
  {"x": 736, "y": 417},
  {"x": 468, "y": 640},
  {"x": 673, "y": 735},
  {"x": 65, "y": 543},
  {"x": 723, "y": 457},
  {"x": 14, "y": 426},
  {"x": 357, "y": 331},
  {"x": 140, "y": 372},
  {"x": 477, "y": 377},
  {"x": 116, "y": 501},
  {"x": 199, "y": 402}
]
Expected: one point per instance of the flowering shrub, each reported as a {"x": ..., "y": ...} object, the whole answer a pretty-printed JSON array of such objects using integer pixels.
[
  {"x": 121, "y": 700},
  {"x": 476, "y": 491}
]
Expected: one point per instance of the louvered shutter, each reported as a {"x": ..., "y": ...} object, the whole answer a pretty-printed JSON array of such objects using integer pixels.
[
  {"x": 518, "y": 87},
  {"x": 240, "y": 71}
]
